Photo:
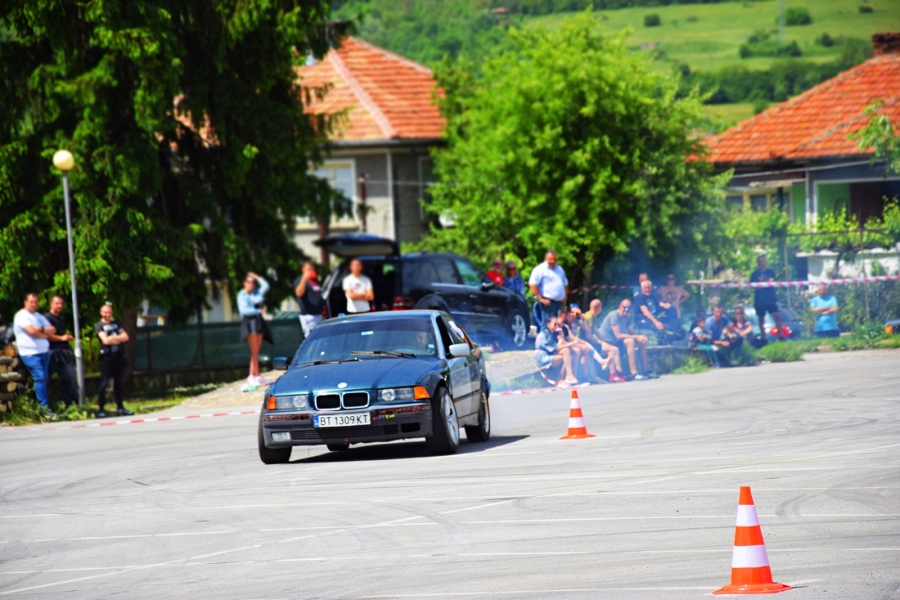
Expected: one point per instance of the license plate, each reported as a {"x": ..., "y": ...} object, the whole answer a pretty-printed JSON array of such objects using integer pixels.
[{"x": 347, "y": 420}]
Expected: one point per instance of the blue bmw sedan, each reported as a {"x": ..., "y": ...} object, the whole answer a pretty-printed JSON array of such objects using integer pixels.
[{"x": 378, "y": 377}]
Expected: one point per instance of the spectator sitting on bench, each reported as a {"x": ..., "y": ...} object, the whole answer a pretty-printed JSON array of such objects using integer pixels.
[
  {"x": 700, "y": 339},
  {"x": 723, "y": 335},
  {"x": 607, "y": 356},
  {"x": 653, "y": 314},
  {"x": 586, "y": 357},
  {"x": 549, "y": 356},
  {"x": 617, "y": 329}
]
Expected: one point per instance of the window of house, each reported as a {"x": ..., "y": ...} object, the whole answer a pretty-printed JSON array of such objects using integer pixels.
[
  {"x": 341, "y": 175},
  {"x": 759, "y": 202}
]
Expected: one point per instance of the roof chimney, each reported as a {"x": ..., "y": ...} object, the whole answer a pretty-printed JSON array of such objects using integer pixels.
[{"x": 885, "y": 43}]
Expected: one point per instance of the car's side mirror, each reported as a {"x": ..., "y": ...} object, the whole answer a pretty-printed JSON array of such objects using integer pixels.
[
  {"x": 280, "y": 363},
  {"x": 460, "y": 350},
  {"x": 486, "y": 285}
]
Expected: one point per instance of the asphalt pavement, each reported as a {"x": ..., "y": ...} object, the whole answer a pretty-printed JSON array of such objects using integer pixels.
[{"x": 185, "y": 509}]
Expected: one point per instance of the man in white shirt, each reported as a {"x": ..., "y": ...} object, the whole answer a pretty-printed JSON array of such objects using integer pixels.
[
  {"x": 358, "y": 289},
  {"x": 32, "y": 331},
  {"x": 548, "y": 283}
]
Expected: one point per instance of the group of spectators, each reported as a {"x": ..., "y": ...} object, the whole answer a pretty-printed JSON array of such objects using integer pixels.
[
  {"x": 585, "y": 346},
  {"x": 43, "y": 344}
]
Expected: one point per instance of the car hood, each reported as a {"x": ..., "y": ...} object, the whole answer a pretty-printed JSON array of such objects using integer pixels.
[{"x": 367, "y": 373}]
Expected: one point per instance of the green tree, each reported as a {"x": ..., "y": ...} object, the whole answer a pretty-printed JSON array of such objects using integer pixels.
[
  {"x": 189, "y": 135},
  {"x": 571, "y": 142},
  {"x": 879, "y": 136}
]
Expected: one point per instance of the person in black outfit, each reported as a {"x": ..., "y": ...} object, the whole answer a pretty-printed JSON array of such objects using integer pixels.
[
  {"x": 764, "y": 299},
  {"x": 655, "y": 315},
  {"x": 112, "y": 359},
  {"x": 309, "y": 296},
  {"x": 62, "y": 361}
]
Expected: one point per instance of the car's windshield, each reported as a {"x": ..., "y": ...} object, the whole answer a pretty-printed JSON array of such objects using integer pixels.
[{"x": 359, "y": 338}]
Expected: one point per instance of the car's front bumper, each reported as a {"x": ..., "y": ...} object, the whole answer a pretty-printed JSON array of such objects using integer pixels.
[{"x": 395, "y": 423}]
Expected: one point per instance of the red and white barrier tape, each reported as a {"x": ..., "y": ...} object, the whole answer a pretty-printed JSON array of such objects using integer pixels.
[
  {"x": 83, "y": 425},
  {"x": 765, "y": 284}
]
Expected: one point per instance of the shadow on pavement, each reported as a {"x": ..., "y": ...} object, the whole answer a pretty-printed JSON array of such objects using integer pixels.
[{"x": 401, "y": 450}]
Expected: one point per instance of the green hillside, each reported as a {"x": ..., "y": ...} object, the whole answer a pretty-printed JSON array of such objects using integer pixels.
[
  {"x": 708, "y": 36},
  {"x": 700, "y": 38}
]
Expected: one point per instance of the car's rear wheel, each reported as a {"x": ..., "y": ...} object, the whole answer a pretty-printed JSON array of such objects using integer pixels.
[
  {"x": 517, "y": 329},
  {"x": 338, "y": 447},
  {"x": 482, "y": 431},
  {"x": 272, "y": 456},
  {"x": 445, "y": 424}
]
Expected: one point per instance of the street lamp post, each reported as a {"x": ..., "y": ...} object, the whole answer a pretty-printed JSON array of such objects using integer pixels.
[{"x": 64, "y": 161}]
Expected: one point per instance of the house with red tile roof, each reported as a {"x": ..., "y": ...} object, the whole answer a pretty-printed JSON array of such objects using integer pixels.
[
  {"x": 797, "y": 154},
  {"x": 378, "y": 151}
]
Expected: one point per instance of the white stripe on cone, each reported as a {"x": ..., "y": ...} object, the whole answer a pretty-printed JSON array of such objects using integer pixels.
[
  {"x": 576, "y": 422},
  {"x": 749, "y": 556},
  {"x": 746, "y": 516}
]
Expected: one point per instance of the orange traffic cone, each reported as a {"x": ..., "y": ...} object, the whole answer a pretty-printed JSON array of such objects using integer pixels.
[
  {"x": 750, "y": 572},
  {"x": 577, "y": 428}
]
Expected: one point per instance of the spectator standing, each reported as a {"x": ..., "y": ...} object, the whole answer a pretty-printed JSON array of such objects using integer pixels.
[
  {"x": 592, "y": 323},
  {"x": 62, "y": 360},
  {"x": 673, "y": 293},
  {"x": 723, "y": 336},
  {"x": 825, "y": 306},
  {"x": 764, "y": 299},
  {"x": 254, "y": 328},
  {"x": 548, "y": 283},
  {"x": 32, "y": 331},
  {"x": 358, "y": 289},
  {"x": 513, "y": 280},
  {"x": 309, "y": 297},
  {"x": 112, "y": 360},
  {"x": 496, "y": 272},
  {"x": 617, "y": 329},
  {"x": 548, "y": 354}
]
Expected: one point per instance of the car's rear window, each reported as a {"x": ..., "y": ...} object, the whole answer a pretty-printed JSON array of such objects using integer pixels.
[{"x": 339, "y": 340}]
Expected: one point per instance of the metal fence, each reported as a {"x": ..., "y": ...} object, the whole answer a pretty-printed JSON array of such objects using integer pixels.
[{"x": 209, "y": 344}]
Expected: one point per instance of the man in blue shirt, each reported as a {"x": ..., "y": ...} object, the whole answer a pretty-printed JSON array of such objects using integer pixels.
[
  {"x": 825, "y": 306},
  {"x": 513, "y": 280},
  {"x": 722, "y": 335},
  {"x": 548, "y": 283}
]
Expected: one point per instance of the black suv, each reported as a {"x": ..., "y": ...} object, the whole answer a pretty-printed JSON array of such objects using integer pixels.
[{"x": 445, "y": 282}]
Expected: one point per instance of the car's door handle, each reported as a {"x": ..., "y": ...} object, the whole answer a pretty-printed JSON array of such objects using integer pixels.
[{"x": 473, "y": 296}]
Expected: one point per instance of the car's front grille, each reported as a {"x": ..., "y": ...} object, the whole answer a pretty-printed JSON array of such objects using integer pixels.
[
  {"x": 328, "y": 402},
  {"x": 339, "y": 433},
  {"x": 356, "y": 399}
]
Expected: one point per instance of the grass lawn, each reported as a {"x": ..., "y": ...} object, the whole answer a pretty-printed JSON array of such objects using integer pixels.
[{"x": 712, "y": 36}]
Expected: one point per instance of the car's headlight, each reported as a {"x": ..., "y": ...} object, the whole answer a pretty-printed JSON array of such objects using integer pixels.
[
  {"x": 295, "y": 401},
  {"x": 403, "y": 394}
]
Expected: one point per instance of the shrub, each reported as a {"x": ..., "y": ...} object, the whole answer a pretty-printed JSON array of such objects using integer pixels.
[
  {"x": 692, "y": 19},
  {"x": 652, "y": 20},
  {"x": 692, "y": 364},
  {"x": 865, "y": 8},
  {"x": 759, "y": 105},
  {"x": 825, "y": 40},
  {"x": 761, "y": 43},
  {"x": 797, "y": 16}
]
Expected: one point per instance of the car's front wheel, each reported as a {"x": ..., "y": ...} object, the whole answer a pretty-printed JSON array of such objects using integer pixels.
[
  {"x": 482, "y": 431},
  {"x": 517, "y": 329},
  {"x": 272, "y": 456},
  {"x": 445, "y": 424}
]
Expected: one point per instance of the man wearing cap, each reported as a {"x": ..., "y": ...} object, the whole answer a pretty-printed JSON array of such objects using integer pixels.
[
  {"x": 548, "y": 283},
  {"x": 496, "y": 272}
]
